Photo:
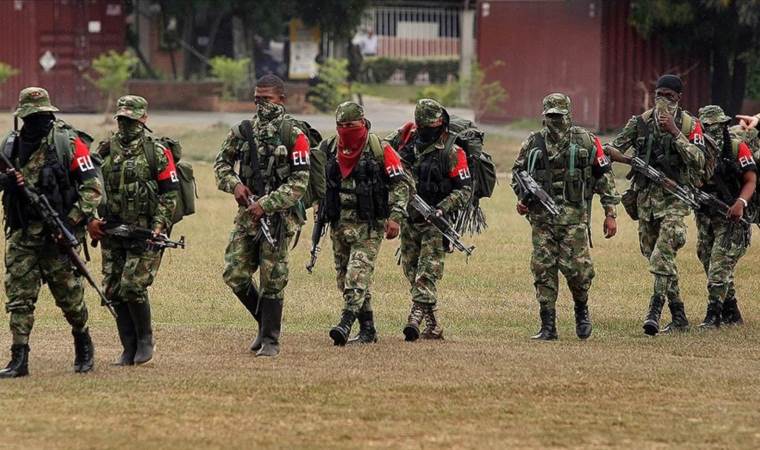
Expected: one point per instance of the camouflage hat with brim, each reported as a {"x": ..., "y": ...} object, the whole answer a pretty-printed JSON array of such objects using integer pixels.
[
  {"x": 33, "y": 100},
  {"x": 132, "y": 107},
  {"x": 349, "y": 112},
  {"x": 428, "y": 113},
  {"x": 556, "y": 103},
  {"x": 712, "y": 114}
]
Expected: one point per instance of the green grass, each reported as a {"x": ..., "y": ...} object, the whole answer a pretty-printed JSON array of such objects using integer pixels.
[{"x": 486, "y": 386}]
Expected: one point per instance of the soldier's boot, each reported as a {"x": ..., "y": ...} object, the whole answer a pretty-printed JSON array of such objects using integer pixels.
[
  {"x": 271, "y": 325},
  {"x": 367, "y": 333},
  {"x": 583, "y": 326},
  {"x": 713, "y": 316},
  {"x": 412, "y": 328},
  {"x": 19, "y": 363},
  {"x": 127, "y": 335},
  {"x": 141, "y": 317},
  {"x": 731, "y": 314},
  {"x": 251, "y": 302},
  {"x": 84, "y": 351},
  {"x": 340, "y": 332},
  {"x": 652, "y": 321},
  {"x": 678, "y": 322},
  {"x": 548, "y": 331},
  {"x": 433, "y": 329}
]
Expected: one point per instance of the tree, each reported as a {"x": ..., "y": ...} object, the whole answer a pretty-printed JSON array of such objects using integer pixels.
[
  {"x": 231, "y": 72},
  {"x": 113, "y": 69},
  {"x": 723, "y": 32}
]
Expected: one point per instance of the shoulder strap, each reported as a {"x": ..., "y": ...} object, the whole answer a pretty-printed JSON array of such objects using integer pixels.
[
  {"x": 286, "y": 132},
  {"x": 149, "y": 148},
  {"x": 377, "y": 147},
  {"x": 686, "y": 123},
  {"x": 62, "y": 143},
  {"x": 246, "y": 129}
]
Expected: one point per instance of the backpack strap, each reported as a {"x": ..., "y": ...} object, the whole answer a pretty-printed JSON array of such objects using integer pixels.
[
  {"x": 286, "y": 132},
  {"x": 149, "y": 148},
  {"x": 62, "y": 144},
  {"x": 377, "y": 147},
  {"x": 540, "y": 144}
]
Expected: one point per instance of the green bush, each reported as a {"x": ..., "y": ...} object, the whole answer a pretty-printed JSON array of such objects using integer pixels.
[
  {"x": 447, "y": 94},
  {"x": 332, "y": 87},
  {"x": 231, "y": 72},
  {"x": 484, "y": 97},
  {"x": 114, "y": 70},
  {"x": 6, "y": 71},
  {"x": 439, "y": 70}
]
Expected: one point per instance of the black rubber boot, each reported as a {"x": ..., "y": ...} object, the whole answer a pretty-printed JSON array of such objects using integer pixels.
[
  {"x": 340, "y": 332},
  {"x": 731, "y": 314},
  {"x": 433, "y": 329},
  {"x": 412, "y": 328},
  {"x": 141, "y": 318},
  {"x": 251, "y": 302},
  {"x": 652, "y": 321},
  {"x": 127, "y": 335},
  {"x": 19, "y": 363},
  {"x": 679, "y": 322},
  {"x": 583, "y": 326},
  {"x": 84, "y": 351},
  {"x": 548, "y": 331},
  {"x": 271, "y": 325},
  {"x": 367, "y": 333},
  {"x": 713, "y": 316}
]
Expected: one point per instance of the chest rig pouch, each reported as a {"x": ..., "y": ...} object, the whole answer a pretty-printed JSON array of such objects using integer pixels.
[
  {"x": 129, "y": 180},
  {"x": 567, "y": 174},
  {"x": 658, "y": 148},
  {"x": 269, "y": 168}
]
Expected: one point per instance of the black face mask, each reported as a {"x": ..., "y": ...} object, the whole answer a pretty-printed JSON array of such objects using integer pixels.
[
  {"x": 37, "y": 126},
  {"x": 428, "y": 135}
]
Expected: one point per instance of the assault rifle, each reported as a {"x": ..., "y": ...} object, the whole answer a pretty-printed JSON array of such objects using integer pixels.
[
  {"x": 713, "y": 203},
  {"x": 136, "y": 233},
  {"x": 264, "y": 226},
  {"x": 60, "y": 233},
  {"x": 529, "y": 187},
  {"x": 320, "y": 227},
  {"x": 429, "y": 213}
]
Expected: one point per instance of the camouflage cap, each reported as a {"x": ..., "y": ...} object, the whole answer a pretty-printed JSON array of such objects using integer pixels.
[
  {"x": 712, "y": 114},
  {"x": 33, "y": 100},
  {"x": 349, "y": 112},
  {"x": 132, "y": 107},
  {"x": 428, "y": 113},
  {"x": 556, "y": 103}
]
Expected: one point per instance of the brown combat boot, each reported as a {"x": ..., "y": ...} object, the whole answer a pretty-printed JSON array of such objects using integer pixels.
[
  {"x": 433, "y": 329},
  {"x": 412, "y": 328}
]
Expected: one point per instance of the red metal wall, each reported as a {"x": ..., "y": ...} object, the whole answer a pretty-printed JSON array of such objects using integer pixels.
[
  {"x": 547, "y": 46},
  {"x": 29, "y": 28}
]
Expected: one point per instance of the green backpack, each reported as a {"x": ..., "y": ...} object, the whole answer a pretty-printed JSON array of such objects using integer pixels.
[{"x": 188, "y": 191}]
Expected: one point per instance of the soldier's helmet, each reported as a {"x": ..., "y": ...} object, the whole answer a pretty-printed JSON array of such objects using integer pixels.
[
  {"x": 33, "y": 100},
  {"x": 132, "y": 107},
  {"x": 429, "y": 113},
  {"x": 556, "y": 103},
  {"x": 349, "y": 112},
  {"x": 712, "y": 114}
]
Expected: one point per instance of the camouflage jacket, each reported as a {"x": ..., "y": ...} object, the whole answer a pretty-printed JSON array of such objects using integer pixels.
[
  {"x": 653, "y": 201},
  {"x": 288, "y": 175},
  {"x": 79, "y": 165},
  {"x": 137, "y": 193},
  {"x": 592, "y": 175}
]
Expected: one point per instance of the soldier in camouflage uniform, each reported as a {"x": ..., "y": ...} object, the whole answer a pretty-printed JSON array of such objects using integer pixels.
[
  {"x": 141, "y": 190},
  {"x": 722, "y": 240},
  {"x": 670, "y": 140},
  {"x": 268, "y": 188},
  {"x": 54, "y": 159},
  {"x": 570, "y": 164},
  {"x": 367, "y": 193},
  {"x": 442, "y": 178}
]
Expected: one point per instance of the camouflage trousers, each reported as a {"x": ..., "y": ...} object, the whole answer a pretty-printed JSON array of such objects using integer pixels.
[
  {"x": 422, "y": 257},
  {"x": 659, "y": 241},
  {"x": 720, "y": 245},
  {"x": 247, "y": 254},
  {"x": 30, "y": 261},
  {"x": 355, "y": 248},
  {"x": 128, "y": 270},
  {"x": 560, "y": 248}
]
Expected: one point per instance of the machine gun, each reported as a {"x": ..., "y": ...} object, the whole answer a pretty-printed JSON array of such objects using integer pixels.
[
  {"x": 447, "y": 230},
  {"x": 529, "y": 187}
]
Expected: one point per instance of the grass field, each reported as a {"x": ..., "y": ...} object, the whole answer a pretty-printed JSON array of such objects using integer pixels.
[{"x": 486, "y": 386}]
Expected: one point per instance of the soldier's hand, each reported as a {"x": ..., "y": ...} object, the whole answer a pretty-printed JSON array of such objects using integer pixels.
[
  {"x": 668, "y": 124},
  {"x": 736, "y": 212},
  {"x": 242, "y": 193},
  {"x": 256, "y": 211},
  {"x": 392, "y": 229},
  {"x": 522, "y": 209},
  {"x": 610, "y": 227},
  {"x": 95, "y": 229},
  {"x": 19, "y": 177},
  {"x": 748, "y": 122}
]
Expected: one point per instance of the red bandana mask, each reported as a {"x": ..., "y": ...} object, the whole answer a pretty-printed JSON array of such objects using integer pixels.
[{"x": 351, "y": 142}]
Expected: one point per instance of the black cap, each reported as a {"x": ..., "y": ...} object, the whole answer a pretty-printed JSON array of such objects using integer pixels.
[{"x": 672, "y": 82}]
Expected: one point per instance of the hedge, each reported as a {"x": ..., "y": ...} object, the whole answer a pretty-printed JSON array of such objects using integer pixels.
[{"x": 381, "y": 69}]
